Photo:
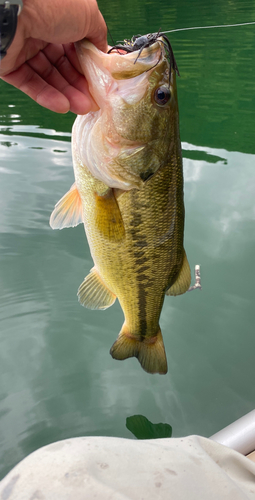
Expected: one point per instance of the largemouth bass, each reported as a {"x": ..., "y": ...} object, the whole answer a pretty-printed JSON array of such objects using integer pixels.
[{"x": 128, "y": 192}]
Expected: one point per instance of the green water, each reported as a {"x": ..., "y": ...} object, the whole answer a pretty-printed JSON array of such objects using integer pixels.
[{"x": 57, "y": 379}]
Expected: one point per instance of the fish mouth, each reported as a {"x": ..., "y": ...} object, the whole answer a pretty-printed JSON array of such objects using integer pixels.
[
  {"x": 121, "y": 67},
  {"x": 107, "y": 73}
]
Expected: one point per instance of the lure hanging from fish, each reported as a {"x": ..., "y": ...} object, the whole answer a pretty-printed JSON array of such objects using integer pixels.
[{"x": 128, "y": 190}]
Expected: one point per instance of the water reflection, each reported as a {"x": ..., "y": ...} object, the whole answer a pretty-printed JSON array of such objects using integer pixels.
[
  {"x": 228, "y": 205},
  {"x": 26, "y": 198},
  {"x": 57, "y": 377}
]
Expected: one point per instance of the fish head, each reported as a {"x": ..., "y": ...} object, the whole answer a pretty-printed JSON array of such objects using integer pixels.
[{"x": 130, "y": 136}]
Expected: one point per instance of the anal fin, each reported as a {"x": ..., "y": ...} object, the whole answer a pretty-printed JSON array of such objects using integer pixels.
[
  {"x": 182, "y": 282},
  {"x": 93, "y": 293}
]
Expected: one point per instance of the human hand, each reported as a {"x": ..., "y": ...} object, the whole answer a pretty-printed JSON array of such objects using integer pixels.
[{"x": 42, "y": 61}]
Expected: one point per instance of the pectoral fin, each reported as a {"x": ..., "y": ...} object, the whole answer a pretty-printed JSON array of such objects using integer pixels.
[
  {"x": 68, "y": 211},
  {"x": 108, "y": 218},
  {"x": 182, "y": 283},
  {"x": 93, "y": 293}
]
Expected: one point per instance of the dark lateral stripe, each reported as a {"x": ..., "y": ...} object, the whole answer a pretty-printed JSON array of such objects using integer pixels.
[
  {"x": 143, "y": 281},
  {"x": 141, "y": 266}
]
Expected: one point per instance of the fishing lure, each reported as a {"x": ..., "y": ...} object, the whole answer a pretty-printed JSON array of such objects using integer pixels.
[{"x": 140, "y": 42}]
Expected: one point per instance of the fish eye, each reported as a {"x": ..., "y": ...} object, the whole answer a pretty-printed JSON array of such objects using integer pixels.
[{"x": 162, "y": 95}]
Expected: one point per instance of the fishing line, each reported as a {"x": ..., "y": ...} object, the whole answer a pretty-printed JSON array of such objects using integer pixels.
[
  {"x": 208, "y": 27},
  {"x": 199, "y": 28},
  {"x": 109, "y": 33}
]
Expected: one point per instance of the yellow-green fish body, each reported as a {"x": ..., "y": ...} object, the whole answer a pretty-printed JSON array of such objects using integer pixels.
[{"x": 129, "y": 193}]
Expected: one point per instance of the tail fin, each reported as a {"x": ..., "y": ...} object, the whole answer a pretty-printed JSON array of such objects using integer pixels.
[{"x": 150, "y": 352}]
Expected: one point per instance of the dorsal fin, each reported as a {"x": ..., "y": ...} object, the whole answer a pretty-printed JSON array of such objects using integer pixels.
[{"x": 68, "y": 211}]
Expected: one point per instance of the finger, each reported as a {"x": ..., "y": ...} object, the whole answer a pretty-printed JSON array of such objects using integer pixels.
[
  {"x": 80, "y": 100},
  {"x": 98, "y": 35},
  {"x": 70, "y": 69},
  {"x": 35, "y": 87},
  {"x": 71, "y": 55}
]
